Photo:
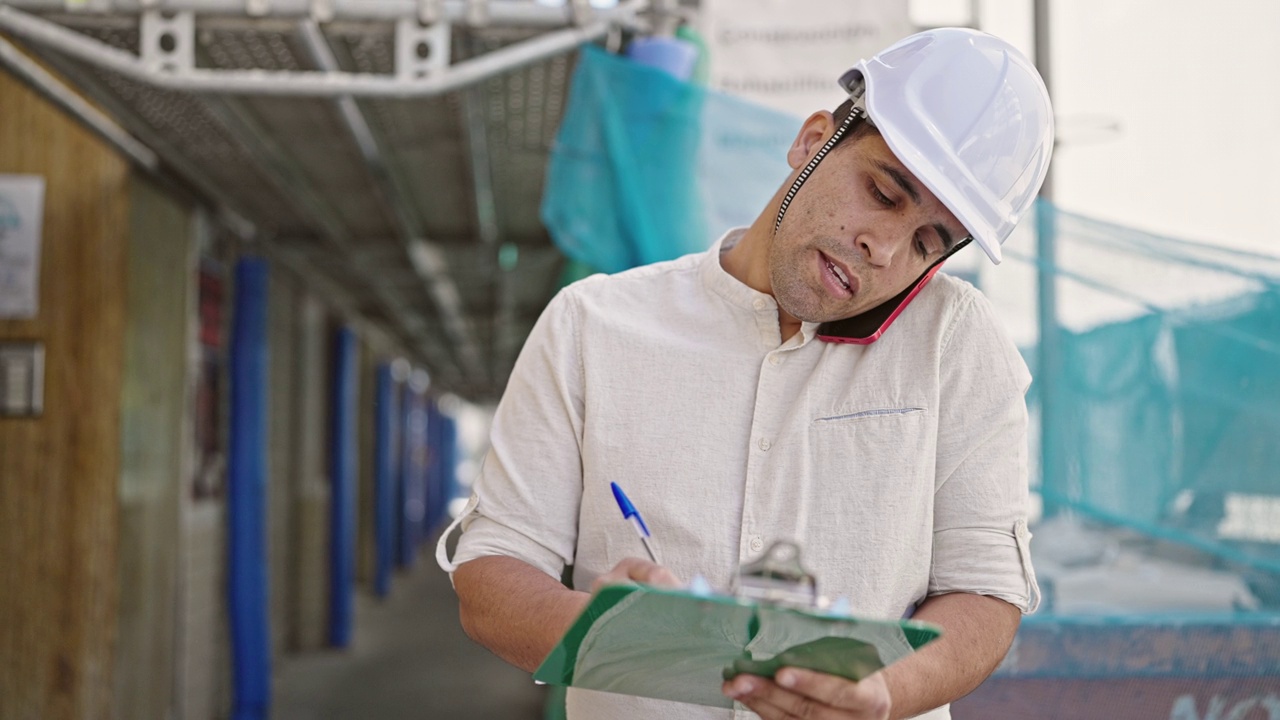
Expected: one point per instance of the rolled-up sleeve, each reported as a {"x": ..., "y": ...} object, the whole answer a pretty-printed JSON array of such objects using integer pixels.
[
  {"x": 526, "y": 497},
  {"x": 980, "y": 536}
]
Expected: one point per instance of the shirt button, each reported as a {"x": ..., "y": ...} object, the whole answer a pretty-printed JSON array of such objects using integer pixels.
[
  {"x": 765, "y": 444},
  {"x": 775, "y": 359},
  {"x": 757, "y": 543},
  {"x": 760, "y": 303}
]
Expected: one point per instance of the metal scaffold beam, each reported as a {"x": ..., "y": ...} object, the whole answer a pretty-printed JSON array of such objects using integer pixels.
[
  {"x": 524, "y": 14},
  {"x": 315, "y": 84}
]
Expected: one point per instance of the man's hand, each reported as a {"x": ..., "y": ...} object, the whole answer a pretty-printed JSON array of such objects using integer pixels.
[
  {"x": 795, "y": 693},
  {"x": 634, "y": 570}
]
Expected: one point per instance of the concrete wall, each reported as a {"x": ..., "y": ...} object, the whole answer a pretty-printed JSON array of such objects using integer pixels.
[
  {"x": 283, "y": 480},
  {"x": 311, "y": 531},
  {"x": 204, "y": 644},
  {"x": 366, "y": 540},
  {"x": 155, "y": 427}
]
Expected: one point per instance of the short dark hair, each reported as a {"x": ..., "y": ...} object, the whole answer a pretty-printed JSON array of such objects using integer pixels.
[{"x": 860, "y": 128}]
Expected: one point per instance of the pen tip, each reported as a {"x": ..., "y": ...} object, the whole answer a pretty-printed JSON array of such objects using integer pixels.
[{"x": 624, "y": 503}]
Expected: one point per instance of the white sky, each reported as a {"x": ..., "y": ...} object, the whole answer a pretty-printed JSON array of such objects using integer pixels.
[{"x": 1190, "y": 86}]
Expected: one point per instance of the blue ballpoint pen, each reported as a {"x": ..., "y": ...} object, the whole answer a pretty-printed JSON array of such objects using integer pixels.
[{"x": 632, "y": 515}]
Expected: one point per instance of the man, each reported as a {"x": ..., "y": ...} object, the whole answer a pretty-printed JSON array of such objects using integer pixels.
[{"x": 807, "y": 378}]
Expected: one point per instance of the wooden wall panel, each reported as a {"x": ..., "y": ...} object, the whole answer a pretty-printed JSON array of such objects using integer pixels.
[{"x": 59, "y": 472}]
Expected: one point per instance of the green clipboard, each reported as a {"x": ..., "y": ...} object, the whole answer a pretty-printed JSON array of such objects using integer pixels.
[{"x": 681, "y": 646}]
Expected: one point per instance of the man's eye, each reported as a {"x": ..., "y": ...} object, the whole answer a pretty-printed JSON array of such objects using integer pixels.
[
  {"x": 881, "y": 197},
  {"x": 921, "y": 247}
]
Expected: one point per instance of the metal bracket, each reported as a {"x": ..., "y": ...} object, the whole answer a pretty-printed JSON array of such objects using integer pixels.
[
  {"x": 168, "y": 40},
  {"x": 421, "y": 51}
]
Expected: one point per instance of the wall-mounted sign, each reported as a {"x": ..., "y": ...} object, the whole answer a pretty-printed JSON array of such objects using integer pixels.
[
  {"x": 21, "y": 212},
  {"x": 788, "y": 54}
]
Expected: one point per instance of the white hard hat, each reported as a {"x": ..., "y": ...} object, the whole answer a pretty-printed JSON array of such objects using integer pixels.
[{"x": 969, "y": 116}]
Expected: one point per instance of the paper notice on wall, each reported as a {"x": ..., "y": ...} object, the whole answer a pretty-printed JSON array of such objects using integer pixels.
[
  {"x": 21, "y": 212},
  {"x": 789, "y": 54}
]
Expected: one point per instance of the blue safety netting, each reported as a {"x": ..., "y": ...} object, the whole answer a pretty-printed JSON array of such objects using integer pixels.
[{"x": 1156, "y": 427}]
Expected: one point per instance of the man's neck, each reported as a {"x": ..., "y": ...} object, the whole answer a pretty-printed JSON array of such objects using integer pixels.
[{"x": 748, "y": 262}]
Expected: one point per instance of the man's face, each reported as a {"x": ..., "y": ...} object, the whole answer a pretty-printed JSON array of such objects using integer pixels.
[{"x": 860, "y": 230}]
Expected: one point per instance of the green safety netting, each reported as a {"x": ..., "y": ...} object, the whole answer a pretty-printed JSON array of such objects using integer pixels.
[{"x": 1161, "y": 412}]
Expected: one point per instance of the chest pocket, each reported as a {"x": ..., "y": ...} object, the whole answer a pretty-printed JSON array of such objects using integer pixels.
[
  {"x": 875, "y": 466},
  {"x": 891, "y": 448},
  {"x": 863, "y": 414}
]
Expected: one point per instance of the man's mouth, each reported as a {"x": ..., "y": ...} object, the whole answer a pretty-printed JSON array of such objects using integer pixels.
[{"x": 838, "y": 273}]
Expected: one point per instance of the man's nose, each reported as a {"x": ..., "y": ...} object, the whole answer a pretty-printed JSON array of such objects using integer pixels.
[{"x": 880, "y": 244}]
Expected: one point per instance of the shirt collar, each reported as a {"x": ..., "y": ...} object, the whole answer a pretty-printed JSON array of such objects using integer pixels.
[{"x": 738, "y": 293}]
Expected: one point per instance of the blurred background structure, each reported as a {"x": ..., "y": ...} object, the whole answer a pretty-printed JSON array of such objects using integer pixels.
[{"x": 265, "y": 267}]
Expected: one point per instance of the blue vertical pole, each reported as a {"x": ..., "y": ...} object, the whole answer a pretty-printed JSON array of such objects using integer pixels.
[
  {"x": 343, "y": 458},
  {"x": 384, "y": 479},
  {"x": 247, "y": 497}
]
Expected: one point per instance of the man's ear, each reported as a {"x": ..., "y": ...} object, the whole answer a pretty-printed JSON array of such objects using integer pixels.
[{"x": 812, "y": 136}]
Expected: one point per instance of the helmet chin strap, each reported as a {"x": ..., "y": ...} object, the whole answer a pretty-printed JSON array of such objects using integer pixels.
[{"x": 854, "y": 114}]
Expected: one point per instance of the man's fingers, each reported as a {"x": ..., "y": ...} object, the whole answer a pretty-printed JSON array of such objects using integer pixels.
[
  {"x": 636, "y": 570},
  {"x": 797, "y": 693},
  {"x": 870, "y": 696},
  {"x": 771, "y": 702},
  {"x": 658, "y": 575}
]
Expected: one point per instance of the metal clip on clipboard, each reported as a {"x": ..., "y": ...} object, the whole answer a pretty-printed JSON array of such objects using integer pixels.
[{"x": 778, "y": 578}]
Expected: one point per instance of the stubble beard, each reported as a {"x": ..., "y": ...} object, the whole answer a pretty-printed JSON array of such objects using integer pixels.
[{"x": 792, "y": 287}]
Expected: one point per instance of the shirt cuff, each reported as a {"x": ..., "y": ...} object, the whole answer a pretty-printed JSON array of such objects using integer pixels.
[
  {"x": 986, "y": 561},
  {"x": 483, "y": 537}
]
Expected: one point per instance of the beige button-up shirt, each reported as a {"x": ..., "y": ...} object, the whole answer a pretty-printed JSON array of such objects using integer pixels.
[{"x": 900, "y": 467}]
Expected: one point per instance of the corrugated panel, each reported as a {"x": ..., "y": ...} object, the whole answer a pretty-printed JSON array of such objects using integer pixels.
[
  {"x": 184, "y": 122},
  {"x": 308, "y": 131},
  {"x": 424, "y": 139},
  {"x": 522, "y": 111},
  {"x": 429, "y": 152}
]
